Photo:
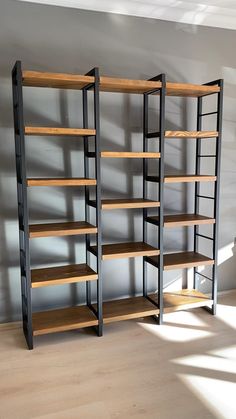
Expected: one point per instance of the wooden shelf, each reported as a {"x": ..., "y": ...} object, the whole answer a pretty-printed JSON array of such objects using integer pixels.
[
  {"x": 182, "y": 220},
  {"x": 189, "y": 178},
  {"x": 60, "y": 320},
  {"x": 56, "y": 80},
  {"x": 191, "y": 134},
  {"x": 109, "y": 204},
  {"x": 59, "y": 131},
  {"x": 61, "y": 229},
  {"x": 113, "y": 84},
  {"x": 128, "y": 308},
  {"x": 182, "y": 260},
  {"x": 60, "y": 275},
  {"x": 130, "y": 155},
  {"x": 183, "y": 300},
  {"x": 185, "y": 134},
  {"x": 126, "y": 250},
  {"x": 61, "y": 182}
]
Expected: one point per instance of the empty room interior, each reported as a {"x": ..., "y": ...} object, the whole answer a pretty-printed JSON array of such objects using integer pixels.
[{"x": 118, "y": 202}]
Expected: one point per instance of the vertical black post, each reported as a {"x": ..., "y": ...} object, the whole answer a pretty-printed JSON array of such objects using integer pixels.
[
  {"x": 161, "y": 194},
  {"x": 98, "y": 200},
  {"x": 86, "y": 188},
  {"x": 145, "y": 172},
  {"x": 22, "y": 203},
  {"x": 197, "y": 185},
  {"x": 217, "y": 193}
]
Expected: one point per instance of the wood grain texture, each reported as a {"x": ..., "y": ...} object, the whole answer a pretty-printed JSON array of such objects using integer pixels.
[
  {"x": 191, "y": 134},
  {"x": 182, "y": 260},
  {"x": 130, "y": 155},
  {"x": 60, "y": 275},
  {"x": 63, "y": 319},
  {"x": 59, "y": 131},
  {"x": 108, "y": 204},
  {"x": 56, "y": 80},
  {"x": 113, "y": 84},
  {"x": 127, "y": 250},
  {"x": 61, "y": 229},
  {"x": 189, "y": 178},
  {"x": 183, "y": 300},
  {"x": 128, "y": 308},
  {"x": 61, "y": 182},
  {"x": 178, "y": 220}
]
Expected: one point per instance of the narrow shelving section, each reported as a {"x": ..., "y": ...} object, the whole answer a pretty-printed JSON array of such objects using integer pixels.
[
  {"x": 60, "y": 275},
  {"x": 61, "y": 229},
  {"x": 127, "y": 309}
]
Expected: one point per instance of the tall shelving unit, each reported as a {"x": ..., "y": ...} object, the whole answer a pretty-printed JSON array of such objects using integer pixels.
[
  {"x": 96, "y": 313},
  {"x": 38, "y": 323}
]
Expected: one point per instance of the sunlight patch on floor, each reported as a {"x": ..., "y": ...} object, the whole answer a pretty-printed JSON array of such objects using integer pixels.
[
  {"x": 184, "y": 328},
  {"x": 227, "y": 314},
  {"x": 218, "y": 395}
]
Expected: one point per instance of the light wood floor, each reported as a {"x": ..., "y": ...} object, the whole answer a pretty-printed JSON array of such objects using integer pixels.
[{"x": 181, "y": 370}]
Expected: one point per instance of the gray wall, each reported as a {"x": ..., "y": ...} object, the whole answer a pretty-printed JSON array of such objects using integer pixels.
[{"x": 67, "y": 40}]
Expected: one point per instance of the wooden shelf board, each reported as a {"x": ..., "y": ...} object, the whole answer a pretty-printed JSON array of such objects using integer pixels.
[
  {"x": 60, "y": 275},
  {"x": 189, "y": 178},
  {"x": 178, "y": 220},
  {"x": 61, "y": 182},
  {"x": 61, "y": 229},
  {"x": 127, "y": 250},
  {"x": 191, "y": 134},
  {"x": 130, "y": 155},
  {"x": 128, "y": 308},
  {"x": 59, "y": 131},
  {"x": 181, "y": 260},
  {"x": 113, "y": 84},
  {"x": 183, "y": 300},
  {"x": 109, "y": 204},
  {"x": 56, "y": 80},
  {"x": 63, "y": 319}
]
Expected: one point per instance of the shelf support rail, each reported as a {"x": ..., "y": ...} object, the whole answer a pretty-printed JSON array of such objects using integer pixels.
[
  {"x": 96, "y": 154},
  {"x": 160, "y": 180},
  {"x": 215, "y": 198},
  {"x": 23, "y": 215}
]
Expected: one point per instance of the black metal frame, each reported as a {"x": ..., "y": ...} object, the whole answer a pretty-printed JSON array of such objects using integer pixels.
[
  {"x": 23, "y": 215},
  {"x": 97, "y": 155},
  {"x": 160, "y": 180},
  {"x": 217, "y": 157}
]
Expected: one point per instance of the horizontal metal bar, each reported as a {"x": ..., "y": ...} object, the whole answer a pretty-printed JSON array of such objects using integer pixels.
[
  {"x": 152, "y": 179},
  {"x": 206, "y": 155},
  {"x": 92, "y": 203},
  {"x": 204, "y": 237},
  {"x": 90, "y": 154},
  {"x": 90, "y": 249},
  {"x": 208, "y": 113},
  {"x": 152, "y": 301},
  {"x": 204, "y": 196},
  {"x": 153, "y": 134},
  {"x": 204, "y": 276}
]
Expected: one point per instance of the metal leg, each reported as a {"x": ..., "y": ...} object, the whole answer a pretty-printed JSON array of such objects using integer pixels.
[{"x": 22, "y": 203}]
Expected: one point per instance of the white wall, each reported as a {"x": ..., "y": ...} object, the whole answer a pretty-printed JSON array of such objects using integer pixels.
[{"x": 66, "y": 40}]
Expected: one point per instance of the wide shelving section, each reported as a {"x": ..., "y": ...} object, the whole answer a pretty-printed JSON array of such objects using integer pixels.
[{"x": 97, "y": 313}]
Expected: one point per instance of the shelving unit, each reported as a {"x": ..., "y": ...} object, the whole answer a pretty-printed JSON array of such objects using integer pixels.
[
  {"x": 37, "y": 323},
  {"x": 96, "y": 313}
]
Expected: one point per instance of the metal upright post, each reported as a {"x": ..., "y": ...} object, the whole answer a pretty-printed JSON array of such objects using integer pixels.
[
  {"x": 98, "y": 200},
  {"x": 22, "y": 203},
  {"x": 145, "y": 167},
  {"x": 161, "y": 194}
]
